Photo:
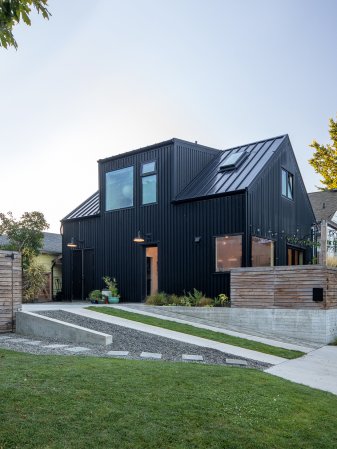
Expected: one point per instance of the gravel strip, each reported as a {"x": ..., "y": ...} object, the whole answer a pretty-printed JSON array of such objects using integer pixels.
[{"x": 123, "y": 339}]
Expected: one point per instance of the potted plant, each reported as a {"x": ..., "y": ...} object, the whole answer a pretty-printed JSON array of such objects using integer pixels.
[
  {"x": 95, "y": 296},
  {"x": 112, "y": 293}
]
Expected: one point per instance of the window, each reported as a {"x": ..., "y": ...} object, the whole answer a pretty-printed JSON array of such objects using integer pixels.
[
  {"x": 287, "y": 184},
  {"x": 149, "y": 183},
  {"x": 228, "y": 252},
  {"x": 233, "y": 160},
  {"x": 119, "y": 189},
  {"x": 262, "y": 252}
]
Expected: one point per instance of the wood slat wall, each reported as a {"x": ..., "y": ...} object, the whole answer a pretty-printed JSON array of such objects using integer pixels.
[
  {"x": 10, "y": 288},
  {"x": 284, "y": 287}
]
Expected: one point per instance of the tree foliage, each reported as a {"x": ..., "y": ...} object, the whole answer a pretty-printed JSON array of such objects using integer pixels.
[
  {"x": 324, "y": 159},
  {"x": 33, "y": 280},
  {"x": 24, "y": 235},
  {"x": 12, "y": 12}
]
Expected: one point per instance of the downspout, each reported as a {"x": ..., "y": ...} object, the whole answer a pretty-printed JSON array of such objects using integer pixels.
[
  {"x": 247, "y": 240},
  {"x": 52, "y": 278}
]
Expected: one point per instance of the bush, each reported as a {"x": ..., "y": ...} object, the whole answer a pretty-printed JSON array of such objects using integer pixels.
[
  {"x": 33, "y": 281},
  {"x": 206, "y": 302},
  {"x": 158, "y": 299},
  {"x": 221, "y": 300}
]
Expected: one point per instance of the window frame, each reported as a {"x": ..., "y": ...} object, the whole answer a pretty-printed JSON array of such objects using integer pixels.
[
  {"x": 288, "y": 176},
  {"x": 145, "y": 175},
  {"x": 133, "y": 189}
]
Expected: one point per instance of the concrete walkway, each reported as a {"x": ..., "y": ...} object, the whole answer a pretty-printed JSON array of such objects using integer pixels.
[{"x": 317, "y": 369}]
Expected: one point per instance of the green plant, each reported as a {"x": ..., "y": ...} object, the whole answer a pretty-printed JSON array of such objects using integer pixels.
[
  {"x": 33, "y": 281},
  {"x": 158, "y": 299},
  {"x": 95, "y": 295},
  {"x": 221, "y": 300},
  {"x": 111, "y": 285},
  {"x": 205, "y": 302}
]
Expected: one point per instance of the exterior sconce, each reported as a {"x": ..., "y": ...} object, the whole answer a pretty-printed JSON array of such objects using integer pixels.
[
  {"x": 139, "y": 238},
  {"x": 74, "y": 243}
]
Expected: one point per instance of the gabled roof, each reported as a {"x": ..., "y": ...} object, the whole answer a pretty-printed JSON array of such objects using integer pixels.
[
  {"x": 217, "y": 178},
  {"x": 324, "y": 204},
  {"x": 88, "y": 208},
  {"x": 52, "y": 243}
]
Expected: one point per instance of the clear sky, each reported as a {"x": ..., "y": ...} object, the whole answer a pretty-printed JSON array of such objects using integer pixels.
[{"x": 103, "y": 77}]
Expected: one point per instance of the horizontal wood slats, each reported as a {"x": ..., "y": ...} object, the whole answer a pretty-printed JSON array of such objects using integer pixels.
[
  {"x": 284, "y": 287},
  {"x": 10, "y": 288}
]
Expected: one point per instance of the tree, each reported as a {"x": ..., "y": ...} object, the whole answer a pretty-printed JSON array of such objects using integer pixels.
[
  {"x": 24, "y": 235},
  {"x": 324, "y": 159},
  {"x": 12, "y": 12}
]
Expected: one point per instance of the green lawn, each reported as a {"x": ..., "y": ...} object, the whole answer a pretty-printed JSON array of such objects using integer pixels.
[
  {"x": 55, "y": 402},
  {"x": 199, "y": 332}
]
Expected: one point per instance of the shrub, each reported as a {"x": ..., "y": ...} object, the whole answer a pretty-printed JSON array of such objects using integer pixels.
[
  {"x": 111, "y": 285},
  {"x": 221, "y": 300},
  {"x": 33, "y": 281},
  {"x": 205, "y": 302},
  {"x": 158, "y": 299},
  {"x": 95, "y": 295}
]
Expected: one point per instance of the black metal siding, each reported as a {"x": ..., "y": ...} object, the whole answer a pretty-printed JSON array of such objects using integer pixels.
[{"x": 273, "y": 216}]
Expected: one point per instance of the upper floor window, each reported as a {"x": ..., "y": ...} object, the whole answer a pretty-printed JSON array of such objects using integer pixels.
[
  {"x": 119, "y": 189},
  {"x": 228, "y": 252},
  {"x": 287, "y": 184},
  {"x": 149, "y": 183}
]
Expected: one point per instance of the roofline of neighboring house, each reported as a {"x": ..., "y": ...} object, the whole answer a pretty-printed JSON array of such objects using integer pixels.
[{"x": 158, "y": 145}]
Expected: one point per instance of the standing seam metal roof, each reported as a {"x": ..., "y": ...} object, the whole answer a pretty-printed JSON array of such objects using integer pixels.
[
  {"x": 88, "y": 208},
  {"x": 212, "y": 181}
]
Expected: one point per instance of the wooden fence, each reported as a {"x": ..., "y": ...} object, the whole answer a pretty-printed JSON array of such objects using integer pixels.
[
  {"x": 10, "y": 289},
  {"x": 293, "y": 287}
]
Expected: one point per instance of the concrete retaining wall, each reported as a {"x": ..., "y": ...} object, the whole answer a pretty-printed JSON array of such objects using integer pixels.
[
  {"x": 319, "y": 326},
  {"x": 32, "y": 324}
]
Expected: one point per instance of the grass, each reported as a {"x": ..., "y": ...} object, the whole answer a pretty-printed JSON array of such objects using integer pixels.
[
  {"x": 66, "y": 402},
  {"x": 199, "y": 332}
]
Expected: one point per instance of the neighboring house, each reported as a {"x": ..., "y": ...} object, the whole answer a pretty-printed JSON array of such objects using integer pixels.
[
  {"x": 51, "y": 259},
  {"x": 324, "y": 204},
  {"x": 196, "y": 212}
]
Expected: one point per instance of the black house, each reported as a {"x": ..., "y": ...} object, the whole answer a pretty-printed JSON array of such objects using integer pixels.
[{"x": 196, "y": 212}]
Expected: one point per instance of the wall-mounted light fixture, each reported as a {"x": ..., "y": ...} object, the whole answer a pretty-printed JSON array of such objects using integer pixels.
[
  {"x": 197, "y": 239},
  {"x": 139, "y": 238},
  {"x": 72, "y": 243}
]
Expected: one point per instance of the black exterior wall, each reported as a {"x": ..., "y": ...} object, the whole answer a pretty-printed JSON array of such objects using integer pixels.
[{"x": 183, "y": 264}]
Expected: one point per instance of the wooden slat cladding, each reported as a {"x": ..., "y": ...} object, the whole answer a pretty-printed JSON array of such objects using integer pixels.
[
  {"x": 284, "y": 287},
  {"x": 10, "y": 288}
]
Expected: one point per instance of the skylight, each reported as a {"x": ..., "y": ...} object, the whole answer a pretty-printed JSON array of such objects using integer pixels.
[{"x": 233, "y": 160}]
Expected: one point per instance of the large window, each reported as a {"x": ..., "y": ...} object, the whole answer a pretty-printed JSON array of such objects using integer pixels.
[
  {"x": 228, "y": 252},
  {"x": 287, "y": 184},
  {"x": 119, "y": 189},
  {"x": 262, "y": 252},
  {"x": 149, "y": 183}
]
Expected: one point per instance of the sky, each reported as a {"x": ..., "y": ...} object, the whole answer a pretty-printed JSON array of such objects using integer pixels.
[{"x": 104, "y": 77}]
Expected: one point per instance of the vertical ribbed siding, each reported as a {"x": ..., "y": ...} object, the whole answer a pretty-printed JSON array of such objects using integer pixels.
[
  {"x": 182, "y": 264},
  {"x": 270, "y": 211}
]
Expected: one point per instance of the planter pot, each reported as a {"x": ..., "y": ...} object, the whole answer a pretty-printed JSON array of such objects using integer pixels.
[
  {"x": 101, "y": 301},
  {"x": 113, "y": 299},
  {"x": 93, "y": 301}
]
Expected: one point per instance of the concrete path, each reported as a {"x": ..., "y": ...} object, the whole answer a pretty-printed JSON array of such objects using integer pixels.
[{"x": 317, "y": 369}]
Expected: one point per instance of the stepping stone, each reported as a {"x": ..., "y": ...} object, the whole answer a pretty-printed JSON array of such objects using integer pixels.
[
  {"x": 192, "y": 357},
  {"x": 118, "y": 353},
  {"x": 150, "y": 355},
  {"x": 236, "y": 362},
  {"x": 19, "y": 340},
  {"x": 33, "y": 343},
  {"x": 54, "y": 346},
  {"x": 5, "y": 337},
  {"x": 77, "y": 349}
]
